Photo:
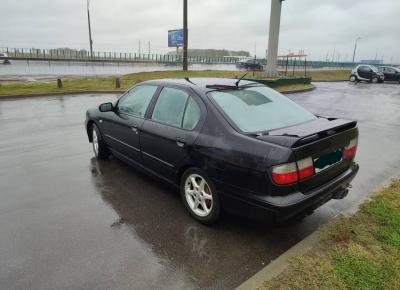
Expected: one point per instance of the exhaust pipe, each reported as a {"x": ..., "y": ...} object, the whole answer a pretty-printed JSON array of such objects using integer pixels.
[{"x": 341, "y": 194}]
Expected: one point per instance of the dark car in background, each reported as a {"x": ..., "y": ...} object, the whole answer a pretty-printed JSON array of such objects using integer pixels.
[
  {"x": 250, "y": 64},
  {"x": 228, "y": 144},
  {"x": 391, "y": 73}
]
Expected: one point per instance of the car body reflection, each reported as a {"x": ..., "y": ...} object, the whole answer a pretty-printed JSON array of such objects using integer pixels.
[{"x": 152, "y": 212}]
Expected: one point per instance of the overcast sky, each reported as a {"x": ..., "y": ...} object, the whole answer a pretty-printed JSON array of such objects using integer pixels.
[{"x": 317, "y": 26}]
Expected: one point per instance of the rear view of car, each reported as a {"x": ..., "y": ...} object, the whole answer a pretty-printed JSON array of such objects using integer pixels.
[
  {"x": 314, "y": 158},
  {"x": 229, "y": 144}
]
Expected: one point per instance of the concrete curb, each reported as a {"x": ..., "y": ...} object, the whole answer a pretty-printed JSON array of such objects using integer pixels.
[
  {"x": 299, "y": 91},
  {"x": 331, "y": 81},
  {"x": 103, "y": 92},
  {"x": 277, "y": 266}
]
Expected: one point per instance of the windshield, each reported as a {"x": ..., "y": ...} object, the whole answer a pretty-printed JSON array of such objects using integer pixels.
[
  {"x": 259, "y": 109},
  {"x": 374, "y": 69}
]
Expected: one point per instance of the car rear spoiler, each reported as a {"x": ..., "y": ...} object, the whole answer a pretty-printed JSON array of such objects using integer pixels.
[{"x": 341, "y": 126}]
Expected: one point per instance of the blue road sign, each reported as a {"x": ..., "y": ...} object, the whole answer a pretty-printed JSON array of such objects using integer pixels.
[{"x": 175, "y": 38}]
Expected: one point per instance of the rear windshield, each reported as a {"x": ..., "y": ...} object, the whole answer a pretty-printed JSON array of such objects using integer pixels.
[{"x": 259, "y": 109}]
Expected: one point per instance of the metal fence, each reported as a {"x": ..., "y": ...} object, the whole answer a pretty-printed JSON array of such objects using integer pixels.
[{"x": 83, "y": 55}]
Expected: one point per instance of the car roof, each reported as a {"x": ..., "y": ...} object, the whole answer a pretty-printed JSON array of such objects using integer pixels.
[{"x": 200, "y": 83}]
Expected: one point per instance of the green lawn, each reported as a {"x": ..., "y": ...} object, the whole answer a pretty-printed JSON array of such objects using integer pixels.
[
  {"x": 108, "y": 83},
  {"x": 327, "y": 75},
  {"x": 357, "y": 252}
]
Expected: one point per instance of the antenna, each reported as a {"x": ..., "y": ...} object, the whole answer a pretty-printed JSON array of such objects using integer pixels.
[{"x": 237, "y": 83}]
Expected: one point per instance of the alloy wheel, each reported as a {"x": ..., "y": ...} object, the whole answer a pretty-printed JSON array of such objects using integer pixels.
[
  {"x": 95, "y": 143},
  {"x": 198, "y": 195}
]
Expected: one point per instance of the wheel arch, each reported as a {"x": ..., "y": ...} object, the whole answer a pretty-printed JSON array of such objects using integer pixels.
[
  {"x": 182, "y": 170},
  {"x": 89, "y": 131}
]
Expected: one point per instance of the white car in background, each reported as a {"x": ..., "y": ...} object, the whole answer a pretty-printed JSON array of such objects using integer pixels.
[
  {"x": 4, "y": 58},
  {"x": 366, "y": 72}
]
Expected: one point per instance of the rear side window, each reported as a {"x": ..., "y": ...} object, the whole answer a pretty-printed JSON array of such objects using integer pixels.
[
  {"x": 170, "y": 107},
  {"x": 260, "y": 109},
  {"x": 136, "y": 101},
  {"x": 192, "y": 115}
]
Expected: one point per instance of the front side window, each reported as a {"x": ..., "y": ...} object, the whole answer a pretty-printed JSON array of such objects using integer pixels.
[
  {"x": 170, "y": 107},
  {"x": 259, "y": 109},
  {"x": 374, "y": 69},
  {"x": 136, "y": 101}
]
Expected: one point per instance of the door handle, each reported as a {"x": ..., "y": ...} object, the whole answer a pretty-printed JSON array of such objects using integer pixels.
[
  {"x": 135, "y": 129},
  {"x": 180, "y": 142}
]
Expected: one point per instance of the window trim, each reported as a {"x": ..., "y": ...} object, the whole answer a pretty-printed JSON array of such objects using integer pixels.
[{"x": 121, "y": 98}]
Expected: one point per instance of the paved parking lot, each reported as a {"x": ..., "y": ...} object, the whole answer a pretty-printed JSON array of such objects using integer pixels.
[{"x": 68, "y": 221}]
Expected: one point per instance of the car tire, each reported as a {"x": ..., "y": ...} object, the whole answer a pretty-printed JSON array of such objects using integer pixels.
[
  {"x": 353, "y": 78},
  {"x": 374, "y": 80},
  {"x": 199, "y": 196},
  {"x": 100, "y": 149}
]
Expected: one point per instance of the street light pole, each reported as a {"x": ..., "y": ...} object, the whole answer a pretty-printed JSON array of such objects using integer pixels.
[
  {"x": 185, "y": 36},
  {"x": 355, "y": 48},
  {"x": 90, "y": 31}
]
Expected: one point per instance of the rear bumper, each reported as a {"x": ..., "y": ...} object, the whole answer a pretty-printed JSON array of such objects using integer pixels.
[{"x": 285, "y": 207}]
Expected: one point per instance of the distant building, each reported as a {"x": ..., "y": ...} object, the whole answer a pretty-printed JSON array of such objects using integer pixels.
[{"x": 372, "y": 61}]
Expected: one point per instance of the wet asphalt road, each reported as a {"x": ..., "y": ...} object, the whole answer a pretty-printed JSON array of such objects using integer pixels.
[{"x": 68, "y": 221}]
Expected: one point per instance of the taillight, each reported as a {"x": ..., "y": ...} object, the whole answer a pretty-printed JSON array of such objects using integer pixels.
[
  {"x": 351, "y": 149},
  {"x": 293, "y": 172},
  {"x": 285, "y": 173},
  {"x": 306, "y": 168}
]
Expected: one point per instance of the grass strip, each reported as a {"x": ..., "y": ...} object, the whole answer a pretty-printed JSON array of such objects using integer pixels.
[{"x": 357, "y": 252}]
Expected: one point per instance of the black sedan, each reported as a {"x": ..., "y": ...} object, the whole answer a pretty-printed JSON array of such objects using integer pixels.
[
  {"x": 391, "y": 73},
  {"x": 250, "y": 64},
  {"x": 228, "y": 144}
]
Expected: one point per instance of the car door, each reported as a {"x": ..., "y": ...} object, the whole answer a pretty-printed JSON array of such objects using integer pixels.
[
  {"x": 171, "y": 129},
  {"x": 390, "y": 74},
  {"x": 121, "y": 128},
  {"x": 364, "y": 72}
]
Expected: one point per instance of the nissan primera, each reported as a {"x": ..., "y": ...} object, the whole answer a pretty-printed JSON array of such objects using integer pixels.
[{"x": 228, "y": 145}]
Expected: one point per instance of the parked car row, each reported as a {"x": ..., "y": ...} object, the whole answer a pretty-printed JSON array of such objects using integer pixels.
[{"x": 370, "y": 73}]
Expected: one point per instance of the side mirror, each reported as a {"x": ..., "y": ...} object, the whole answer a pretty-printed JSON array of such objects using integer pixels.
[{"x": 106, "y": 107}]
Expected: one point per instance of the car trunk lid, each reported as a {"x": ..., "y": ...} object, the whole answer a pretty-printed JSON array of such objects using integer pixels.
[{"x": 323, "y": 140}]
